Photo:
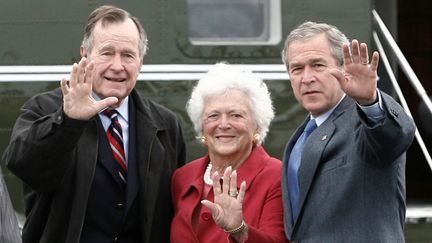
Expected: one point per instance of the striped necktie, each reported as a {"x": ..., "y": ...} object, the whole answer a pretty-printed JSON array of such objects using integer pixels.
[{"x": 115, "y": 138}]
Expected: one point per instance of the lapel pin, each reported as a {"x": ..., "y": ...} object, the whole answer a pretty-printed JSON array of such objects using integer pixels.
[{"x": 323, "y": 137}]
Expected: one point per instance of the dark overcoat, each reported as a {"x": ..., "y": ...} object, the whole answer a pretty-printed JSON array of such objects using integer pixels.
[{"x": 56, "y": 157}]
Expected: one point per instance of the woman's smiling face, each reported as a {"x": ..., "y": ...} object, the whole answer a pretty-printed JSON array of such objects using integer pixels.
[{"x": 228, "y": 124}]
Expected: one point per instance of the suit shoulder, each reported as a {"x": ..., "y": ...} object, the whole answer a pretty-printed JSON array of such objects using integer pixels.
[
  {"x": 52, "y": 95},
  {"x": 46, "y": 102},
  {"x": 155, "y": 111},
  {"x": 154, "y": 106}
]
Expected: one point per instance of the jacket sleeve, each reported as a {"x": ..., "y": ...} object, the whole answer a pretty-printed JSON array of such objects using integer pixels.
[
  {"x": 389, "y": 139},
  {"x": 9, "y": 230},
  {"x": 42, "y": 144}
]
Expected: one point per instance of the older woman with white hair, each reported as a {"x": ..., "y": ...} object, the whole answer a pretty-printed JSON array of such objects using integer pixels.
[{"x": 232, "y": 194}]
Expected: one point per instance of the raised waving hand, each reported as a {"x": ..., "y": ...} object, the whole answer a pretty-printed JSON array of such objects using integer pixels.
[
  {"x": 78, "y": 102},
  {"x": 359, "y": 78}
]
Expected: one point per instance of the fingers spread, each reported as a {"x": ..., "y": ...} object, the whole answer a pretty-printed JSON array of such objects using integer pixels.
[
  {"x": 103, "y": 104},
  {"x": 216, "y": 183},
  {"x": 364, "y": 57},
  {"x": 233, "y": 185},
  {"x": 338, "y": 74},
  {"x": 64, "y": 86},
  {"x": 73, "y": 76},
  {"x": 208, "y": 204},
  {"x": 346, "y": 54},
  {"x": 82, "y": 70},
  {"x": 374, "y": 61},
  {"x": 226, "y": 180},
  {"x": 242, "y": 192},
  {"x": 88, "y": 78},
  {"x": 355, "y": 51}
]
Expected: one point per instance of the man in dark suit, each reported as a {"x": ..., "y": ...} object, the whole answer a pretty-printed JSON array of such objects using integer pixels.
[
  {"x": 61, "y": 146},
  {"x": 346, "y": 181}
]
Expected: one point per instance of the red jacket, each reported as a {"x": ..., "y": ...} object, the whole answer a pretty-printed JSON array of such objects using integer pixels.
[{"x": 262, "y": 205}]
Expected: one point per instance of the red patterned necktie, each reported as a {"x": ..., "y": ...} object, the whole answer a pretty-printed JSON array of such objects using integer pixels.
[{"x": 115, "y": 138}]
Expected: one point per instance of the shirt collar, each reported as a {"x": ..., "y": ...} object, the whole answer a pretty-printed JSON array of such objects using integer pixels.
[
  {"x": 322, "y": 118},
  {"x": 122, "y": 109}
]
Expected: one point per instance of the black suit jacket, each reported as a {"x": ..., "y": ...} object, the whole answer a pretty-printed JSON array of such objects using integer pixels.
[{"x": 56, "y": 158}]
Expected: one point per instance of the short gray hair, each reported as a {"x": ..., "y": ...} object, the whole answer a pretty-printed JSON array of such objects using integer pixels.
[
  {"x": 224, "y": 77},
  {"x": 111, "y": 14},
  {"x": 308, "y": 30}
]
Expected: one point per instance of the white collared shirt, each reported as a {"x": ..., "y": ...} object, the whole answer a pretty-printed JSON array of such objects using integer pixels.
[{"x": 322, "y": 118}]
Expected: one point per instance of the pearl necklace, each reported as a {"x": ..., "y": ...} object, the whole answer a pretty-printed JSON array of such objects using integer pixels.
[{"x": 206, "y": 177}]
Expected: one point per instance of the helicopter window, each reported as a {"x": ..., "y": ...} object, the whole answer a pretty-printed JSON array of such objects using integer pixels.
[{"x": 234, "y": 22}]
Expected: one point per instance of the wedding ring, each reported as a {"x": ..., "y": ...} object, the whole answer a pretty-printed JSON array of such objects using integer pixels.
[
  {"x": 233, "y": 194},
  {"x": 365, "y": 63}
]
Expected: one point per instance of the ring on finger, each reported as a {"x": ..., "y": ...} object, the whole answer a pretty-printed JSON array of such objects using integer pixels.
[
  {"x": 233, "y": 194},
  {"x": 365, "y": 63}
]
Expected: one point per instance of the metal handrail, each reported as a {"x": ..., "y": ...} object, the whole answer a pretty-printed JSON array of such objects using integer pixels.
[
  {"x": 405, "y": 66},
  {"x": 403, "y": 63},
  {"x": 401, "y": 96}
]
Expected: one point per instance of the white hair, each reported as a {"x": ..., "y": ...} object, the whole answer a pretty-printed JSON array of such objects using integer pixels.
[{"x": 224, "y": 77}]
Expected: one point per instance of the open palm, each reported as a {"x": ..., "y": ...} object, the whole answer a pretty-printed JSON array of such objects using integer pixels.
[
  {"x": 78, "y": 102},
  {"x": 359, "y": 78}
]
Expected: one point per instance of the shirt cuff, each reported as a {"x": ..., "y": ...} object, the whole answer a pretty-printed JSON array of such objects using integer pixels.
[{"x": 375, "y": 112}]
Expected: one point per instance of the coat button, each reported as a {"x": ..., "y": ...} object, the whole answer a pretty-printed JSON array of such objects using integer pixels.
[
  {"x": 206, "y": 216},
  {"x": 119, "y": 205},
  {"x": 395, "y": 113}
]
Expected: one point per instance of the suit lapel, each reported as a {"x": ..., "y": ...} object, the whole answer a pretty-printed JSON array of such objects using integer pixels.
[
  {"x": 132, "y": 175},
  {"x": 315, "y": 145},
  {"x": 148, "y": 149},
  {"x": 253, "y": 165},
  {"x": 285, "y": 194}
]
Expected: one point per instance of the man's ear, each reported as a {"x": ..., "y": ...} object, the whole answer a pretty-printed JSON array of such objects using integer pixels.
[
  {"x": 83, "y": 51},
  {"x": 141, "y": 64}
]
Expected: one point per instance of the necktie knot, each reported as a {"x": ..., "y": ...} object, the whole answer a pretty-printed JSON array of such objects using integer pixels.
[
  {"x": 310, "y": 126},
  {"x": 111, "y": 113}
]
